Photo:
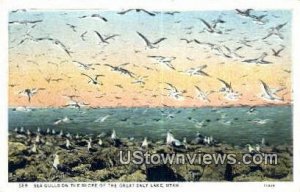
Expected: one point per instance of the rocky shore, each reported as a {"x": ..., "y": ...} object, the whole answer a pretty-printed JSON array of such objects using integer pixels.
[{"x": 102, "y": 162}]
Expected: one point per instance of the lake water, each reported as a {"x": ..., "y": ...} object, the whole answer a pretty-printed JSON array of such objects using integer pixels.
[{"x": 231, "y": 125}]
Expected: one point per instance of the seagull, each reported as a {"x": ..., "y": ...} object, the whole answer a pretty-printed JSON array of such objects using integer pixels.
[
  {"x": 104, "y": 39},
  {"x": 171, "y": 12},
  {"x": 250, "y": 148},
  {"x": 120, "y": 69},
  {"x": 251, "y": 110},
  {"x": 228, "y": 92},
  {"x": 170, "y": 140},
  {"x": 82, "y": 36},
  {"x": 259, "y": 19},
  {"x": 275, "y": 31},
  {"x": 277, "y": 52},
  {"x": 140, "y": 80},
  {"x": 245, "y": 13},
  {"x": 137, "y": 10},
  {"x": 115, "y": 139},
  {"x": 55, "y": 42},
  {"x": 61, "y": 121},
  {"x": 231, "y": 53},
  {"x": 85, "y": 66},
  {"x": 197, "y": 71},
  {"x": 97, "y": 16},
  {"x": 212, "y": 28},
  {"x": 145, "y": 143},
  {"x": 73, "y": 27},
  {"x": 164, "y": 60},
  {"x": 94, "y": 80},
  {"x": 30, "y": 92},
  {"x": 203, "y": 95},
  {"x": 151, "y": 45},
  {"x": 102, "y": 119},
  {"x": 174, "y": 93},
  {"x": 187, "y": 40},
  {"x": 259, "y": 60},
  {"x": 270, "y": 94},
  {"x": 25, "y": 22}
]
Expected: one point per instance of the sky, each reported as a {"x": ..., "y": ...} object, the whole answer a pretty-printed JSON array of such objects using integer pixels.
[{"x": 31, "y": 63}]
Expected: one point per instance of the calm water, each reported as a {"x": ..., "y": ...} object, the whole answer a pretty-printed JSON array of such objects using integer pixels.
[{"x": 230, "y": 125}]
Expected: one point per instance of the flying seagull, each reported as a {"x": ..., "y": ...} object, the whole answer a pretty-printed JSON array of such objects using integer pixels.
[
  {"x": 277, "y": 52},
  {"x": 30, "y": 92},
  {"x": 97, "y": 16},
  {"x": 121, "y": 70},
  {"x": 270, "y": 94},
  {"x": 55, "y": 42},
  {"x": 275, "y": 31},
  {"x": 151, "y": 45},
  {"x": 202, "y": 94},
  {"x": 104, "y": 39},
  {"x": 93, "y": 80},
  {"x": 137, "y": 10},
  {"x": 259, "y": 60}
]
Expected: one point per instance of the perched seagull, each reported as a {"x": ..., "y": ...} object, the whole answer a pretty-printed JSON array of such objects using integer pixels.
[
  {"x": 259, "y": 60},
  {"x": 151, "y": 45},
  {"x": 275, "y": 31},
  {"x": 121, "y": 70},
  {"x": 94, "y": 80},
  {"x": 277, "y": 52},
  {"x": 203, "y": 95},
  {"x": 104, "y": 39},
  {"x": 270, "y": 94},
  {"x": 250, "y": 148},
  {"x": 30, "y": 92},
  {"x": 170, "y": 140},
  {"x": 116, "y": 141},
  {"x": 97, "y": 16},
  {"x": 145, "y": 143},
  {"x": 56, "y": 161},
  {"x": 163, "y": 60},
  {"x": 228, "y": 92},
  {"x": 100, "y": 142},
  {"x": 137, "y": 10},
  {"x": 174, "y": 93},
  {"x": 245, "y": 13},
  {"x": 197, "y": 71}
]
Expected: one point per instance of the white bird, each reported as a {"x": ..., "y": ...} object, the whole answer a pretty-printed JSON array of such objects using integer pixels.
[
  {"x": 37, "y": 138},
  {"x": 174, "y": 93},
  {"x": 228, "y": 92},
  {"x": 250, "y": 148},
  {"x": 113, "y": 135},
  {"x": 56, "y": 161},
  {"x": 30, "y": 92},
  {"x": 270, "y": 94},
  {"x": 197, "y": 71},
  {"x": 275, "y": 31},
  {"x": 102, "y": 119},
  {"x": 100, "y": 142},
  {"x": 145, "y": 143},
  {"x": 165, "y": 61},
  {"x": 151, "y": 45},
  {"x": 68, "y": 145},
  {"x": 257, "y": 148},
  {"x": 259, "y": 60},
  {"x": 202, "y": 94},
  {"x": 34, "y": 149},
  {"x": 170, "y": 140},
  {"x": 61, "y": 121}
]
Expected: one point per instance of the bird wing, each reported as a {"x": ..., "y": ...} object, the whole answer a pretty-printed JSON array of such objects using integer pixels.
[
  {"x": 149, "y": 13},
  {"x": 87, "y": 76},
  {"x": 206, "y": 23},
  {"x": 144, "y": 38},
  {"x": 159, "y": 40},
  {"x": 266, "y": 88},
  {"x": 123, "y": 12},
  {"x": 225, "y": 83},
  {"x": 280, "y": 26},
  {"x": 100, "y": 36}
]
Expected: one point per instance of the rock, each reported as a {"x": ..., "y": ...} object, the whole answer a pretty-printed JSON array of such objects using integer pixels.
[{"x": 137, "y": 176}]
